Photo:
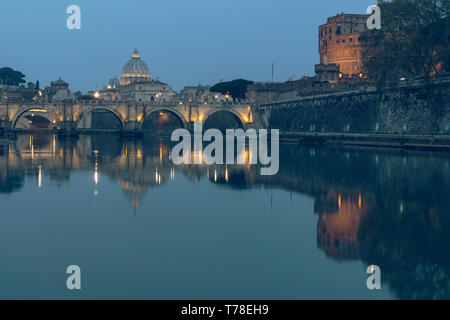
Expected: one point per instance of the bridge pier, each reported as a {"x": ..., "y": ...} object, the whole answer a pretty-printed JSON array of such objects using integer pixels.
[
  {"x": 67, "y": 129},
  {"x": 5, "y": 125},
  {"x": 131, "y": 129},
  {"x": 5, "y": 130},
  {"x": 190, "y": 127}
]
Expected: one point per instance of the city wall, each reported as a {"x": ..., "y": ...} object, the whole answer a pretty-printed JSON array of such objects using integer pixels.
[{"x": 416, "y": 113}]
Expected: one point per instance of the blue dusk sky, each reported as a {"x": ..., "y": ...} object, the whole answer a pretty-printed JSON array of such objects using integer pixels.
[{"x": 184, "y": 42}]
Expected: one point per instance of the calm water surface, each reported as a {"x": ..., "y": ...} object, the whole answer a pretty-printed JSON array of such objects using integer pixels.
[{"x": 140, "y": 227}]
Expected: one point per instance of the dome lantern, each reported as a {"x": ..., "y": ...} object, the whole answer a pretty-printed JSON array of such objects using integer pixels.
[{"x": 136, "y": 54}]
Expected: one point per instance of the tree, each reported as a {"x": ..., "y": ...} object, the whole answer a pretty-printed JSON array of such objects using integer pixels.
[
  {"x": 413, "y": 41},
  {"x": 37, "y": 85},
  {"x": 236, "y": 88},
  {"x": 10, "y": 77}
]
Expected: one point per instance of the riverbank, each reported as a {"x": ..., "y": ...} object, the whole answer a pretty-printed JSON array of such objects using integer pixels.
[{"x": 403, "y": 141}]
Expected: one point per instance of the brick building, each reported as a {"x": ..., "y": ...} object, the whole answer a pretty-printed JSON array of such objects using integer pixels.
[{"x": 340, "y": 42}]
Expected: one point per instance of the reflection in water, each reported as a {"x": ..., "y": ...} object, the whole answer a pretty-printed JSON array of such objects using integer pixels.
[
  {"x": 386, "y": 208},
  {"x": 139, "y": 165}
]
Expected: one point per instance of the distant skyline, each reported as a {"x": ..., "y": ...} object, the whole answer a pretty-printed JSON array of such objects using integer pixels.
[{"x": 184, "y": 42}]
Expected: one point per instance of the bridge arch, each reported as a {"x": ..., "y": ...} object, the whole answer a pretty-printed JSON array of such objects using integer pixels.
[
  {"x": 233, "y": 113},
  {"x": 81, "y": 122},
  {"x": 168, "y": 117},
  {"x": 44, "y": 119}
]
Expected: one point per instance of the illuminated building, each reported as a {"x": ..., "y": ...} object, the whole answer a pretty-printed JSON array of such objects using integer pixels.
[
  {"x": 137, "y": 84},
  {"x": 341, "y": 42}
]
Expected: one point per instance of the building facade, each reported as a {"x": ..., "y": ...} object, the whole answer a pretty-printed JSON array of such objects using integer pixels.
[
  {"x": 58, "y": 91},
  {"x": 202, "y": 94},
  {"x": 147, "y": 91},
  {"x": 136, "y": 84}
]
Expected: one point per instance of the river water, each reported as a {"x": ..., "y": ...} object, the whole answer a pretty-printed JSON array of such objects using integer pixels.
[{"x": 140, "y": 227}]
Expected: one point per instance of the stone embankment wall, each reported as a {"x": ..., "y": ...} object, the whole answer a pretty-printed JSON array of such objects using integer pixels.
[{"x": 416, "y": 107}]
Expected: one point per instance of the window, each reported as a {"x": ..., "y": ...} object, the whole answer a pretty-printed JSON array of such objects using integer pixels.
[{"x": 351, "y": 39}]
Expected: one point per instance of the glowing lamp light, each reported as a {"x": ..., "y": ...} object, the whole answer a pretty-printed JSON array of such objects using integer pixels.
[{"x": 97, "y": 95}]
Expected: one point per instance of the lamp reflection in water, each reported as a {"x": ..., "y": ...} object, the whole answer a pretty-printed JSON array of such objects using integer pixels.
[
  {"x": 32, "y": 147},
  {"x": 40, "y": 177},
  {"x": 157, "y": 177},
  {"x": 226, "y": 174},
  {"x": 359, "y": 201},
  {"x": 96, "y": 175}
]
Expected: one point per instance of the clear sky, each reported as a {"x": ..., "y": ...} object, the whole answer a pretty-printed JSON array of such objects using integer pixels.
[{"x": 184, "y": 42}]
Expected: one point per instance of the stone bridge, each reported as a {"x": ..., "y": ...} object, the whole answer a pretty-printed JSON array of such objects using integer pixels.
[{"x": 77, "y": 117}]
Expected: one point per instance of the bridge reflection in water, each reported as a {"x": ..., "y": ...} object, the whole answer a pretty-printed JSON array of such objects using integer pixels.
[
  {"x": 139, "y": 164},
  {"x": 384, "y": 207}
]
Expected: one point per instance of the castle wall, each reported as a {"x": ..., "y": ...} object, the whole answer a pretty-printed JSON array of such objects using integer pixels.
[{"x": 417, "y": 107}]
